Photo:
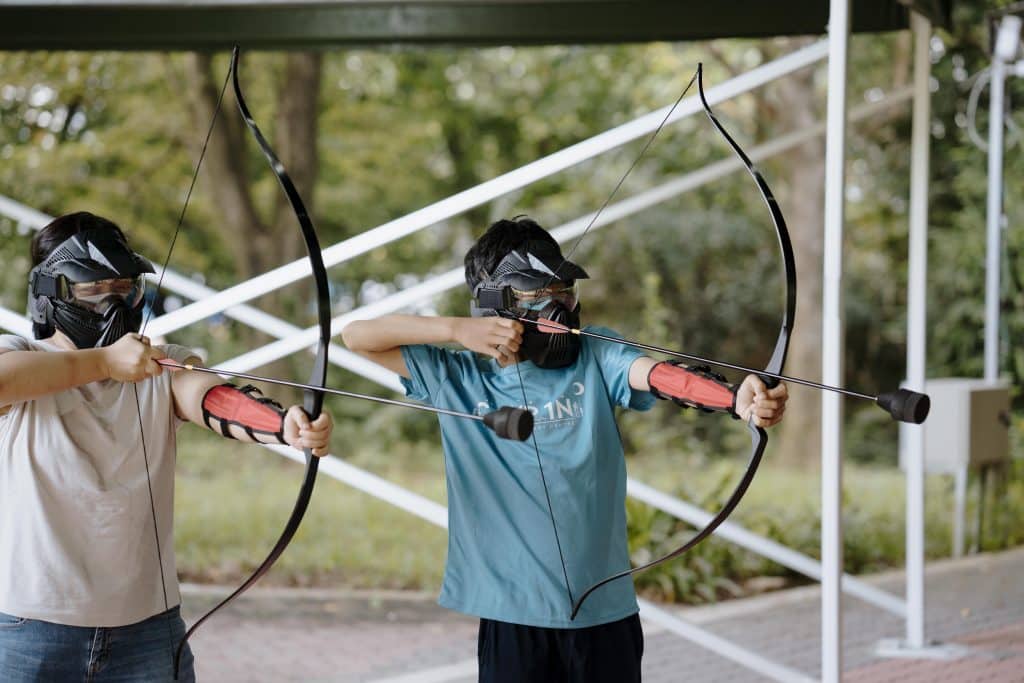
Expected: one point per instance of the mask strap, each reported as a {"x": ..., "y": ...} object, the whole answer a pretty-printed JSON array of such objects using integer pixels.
[{"x": 43, "y": 284}]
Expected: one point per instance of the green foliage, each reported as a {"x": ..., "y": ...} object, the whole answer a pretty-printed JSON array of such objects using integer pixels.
[
  {"x": 784, "y": 505},
  {"x": 705, "y": 574},
  {"x": 100, "y": 132},
  {"x": 232, "y": 501}
]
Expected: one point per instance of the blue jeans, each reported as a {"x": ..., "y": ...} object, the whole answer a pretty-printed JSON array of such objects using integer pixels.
[{"x": 34, "y": 651}]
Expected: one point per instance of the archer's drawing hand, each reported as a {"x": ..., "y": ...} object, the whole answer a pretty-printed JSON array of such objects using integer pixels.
[
  {"x": 755, "y": 399},
  {"x": 301, "y": 432},
  {"x": 496, "y": 337},
  {"x": 131, "y": 358}
]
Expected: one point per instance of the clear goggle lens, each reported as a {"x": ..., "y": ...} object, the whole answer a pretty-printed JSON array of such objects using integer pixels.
[
  {"x": 96, "y": 295},
  {"x": 537, "y": 299}
]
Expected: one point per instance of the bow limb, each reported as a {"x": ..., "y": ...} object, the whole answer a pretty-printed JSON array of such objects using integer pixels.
[
  {"x": 758, "y": 436},
  {"x": 778, "y": 358},
  {"x": 313, "y": 402}
]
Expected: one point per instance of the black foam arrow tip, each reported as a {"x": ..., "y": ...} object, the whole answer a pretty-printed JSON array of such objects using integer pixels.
[
  {"x": 905, "y": 405},
  {"x": 510, "y": 423}
]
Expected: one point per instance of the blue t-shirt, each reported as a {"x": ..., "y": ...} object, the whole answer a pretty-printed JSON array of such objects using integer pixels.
[{"x": 503, "y": 562}]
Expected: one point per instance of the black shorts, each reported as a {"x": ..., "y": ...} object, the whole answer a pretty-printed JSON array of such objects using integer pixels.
[{"x": 512, "y": 653}]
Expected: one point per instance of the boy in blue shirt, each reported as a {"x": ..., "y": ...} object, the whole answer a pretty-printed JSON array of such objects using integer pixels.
[{"x": 530, "y": 523}]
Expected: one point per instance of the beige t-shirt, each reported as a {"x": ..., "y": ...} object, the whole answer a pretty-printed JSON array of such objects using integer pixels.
[{"x": 76, "y": 529}]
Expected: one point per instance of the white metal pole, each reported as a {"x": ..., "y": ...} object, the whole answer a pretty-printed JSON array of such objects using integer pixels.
[
  {"x": 916, "y": 325},
  {"x": 994, "y": 210},
  {"x": 832, "y": 346}
]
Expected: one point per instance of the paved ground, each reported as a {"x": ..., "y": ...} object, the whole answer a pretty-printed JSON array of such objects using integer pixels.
[{"x": 338, "y": 637}]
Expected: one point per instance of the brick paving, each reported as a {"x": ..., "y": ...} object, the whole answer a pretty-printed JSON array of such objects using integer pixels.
[
  {"x": 995, "y": 655},
  {"x": 343, "y": 637},
  {"x": 296, "y": 635}
]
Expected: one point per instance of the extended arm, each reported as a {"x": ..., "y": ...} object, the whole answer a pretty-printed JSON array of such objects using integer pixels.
[
  {"x": 28, "y": 375},
  {"x": 693, "y": 386},
  {"x": 243, "y": 413}
]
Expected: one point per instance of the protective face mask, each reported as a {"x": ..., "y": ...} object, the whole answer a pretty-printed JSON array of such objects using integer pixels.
[
  {"x": 88, "y": 330},
  {"x": 550, "y": 349}
]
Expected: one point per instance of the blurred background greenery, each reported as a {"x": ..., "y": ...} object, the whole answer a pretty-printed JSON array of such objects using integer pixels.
[{"x": 371, "y": 135}]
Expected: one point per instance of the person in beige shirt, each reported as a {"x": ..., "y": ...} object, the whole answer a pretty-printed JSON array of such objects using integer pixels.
[{"x": 87, "y": 450}]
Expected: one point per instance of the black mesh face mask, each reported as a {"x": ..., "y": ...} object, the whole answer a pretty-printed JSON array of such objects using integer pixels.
[
  {"x": 87, "y": 329},
  {"x": 547, "y": 348},
  {"x": 89, "y": 257},
  {"x": 533, "y": 268}
]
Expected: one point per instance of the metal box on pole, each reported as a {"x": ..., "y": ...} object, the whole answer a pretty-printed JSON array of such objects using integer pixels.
[{"x": 968, "y": 428}]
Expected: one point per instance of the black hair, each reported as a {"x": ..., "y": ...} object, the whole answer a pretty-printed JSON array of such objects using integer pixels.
[
  {"x": 501, "y": 239},
  {"x": 57, "y": 231}
]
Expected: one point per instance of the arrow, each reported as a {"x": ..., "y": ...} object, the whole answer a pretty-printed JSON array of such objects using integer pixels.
[{"x": 903, "y": 405}]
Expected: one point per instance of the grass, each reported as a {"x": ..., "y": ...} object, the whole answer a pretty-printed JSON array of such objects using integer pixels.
[{"x": 233, "y": 500}]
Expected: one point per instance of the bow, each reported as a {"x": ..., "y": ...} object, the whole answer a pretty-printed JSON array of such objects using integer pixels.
[
  {"x": 313, "y": 401},
  {"x": 758, "y": 436}
]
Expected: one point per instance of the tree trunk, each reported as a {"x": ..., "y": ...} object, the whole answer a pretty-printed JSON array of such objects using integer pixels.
[
  {"x": 799, "y": 435},
  {"x": 295, "y": 143},
  {"x": 258, "y": 245},
  {"x": 225, "y": 170}
]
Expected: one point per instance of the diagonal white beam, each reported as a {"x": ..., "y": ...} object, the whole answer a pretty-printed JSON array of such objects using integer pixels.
[
  {"x": 787, "y": 557},
  {"x": 15, "y": 322},
  {"x": 721, "y": 646}
]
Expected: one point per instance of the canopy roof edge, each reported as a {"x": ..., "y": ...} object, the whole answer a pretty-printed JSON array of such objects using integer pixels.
[{"x": 263, "y": 24}]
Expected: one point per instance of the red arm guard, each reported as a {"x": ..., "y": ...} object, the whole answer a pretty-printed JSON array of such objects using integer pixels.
[
  {"x": 244, "y": 407},
  {"x": 693, "y": 387}
]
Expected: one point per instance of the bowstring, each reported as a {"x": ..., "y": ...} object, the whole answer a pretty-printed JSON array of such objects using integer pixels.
[
  {"x": 552, "y": 278},
  {"x": 547, "y": 494},
  {"x": 760, "y": 437},
  {"x": 618, "y": 185},
  {"x": 135, "y": 386}
]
